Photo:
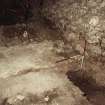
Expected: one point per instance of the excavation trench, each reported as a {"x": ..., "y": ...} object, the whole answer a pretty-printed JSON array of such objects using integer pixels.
[{"x": 94, "y": 93}]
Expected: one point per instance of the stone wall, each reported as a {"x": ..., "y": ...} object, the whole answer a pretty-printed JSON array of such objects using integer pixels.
[{"x": 82, "y": 23}]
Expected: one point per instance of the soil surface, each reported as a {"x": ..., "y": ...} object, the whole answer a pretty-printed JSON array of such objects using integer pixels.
[{"x": 38, "y": 47}]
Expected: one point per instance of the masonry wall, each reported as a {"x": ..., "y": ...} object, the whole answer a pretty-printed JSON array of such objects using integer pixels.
[{"x": 79, "y": 20}]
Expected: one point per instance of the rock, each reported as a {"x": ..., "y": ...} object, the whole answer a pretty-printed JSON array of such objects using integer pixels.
[
  {"x": 95, "y": 50},
  {"x": 94, "y": 21},
  {"x": 92, "y": 39}
]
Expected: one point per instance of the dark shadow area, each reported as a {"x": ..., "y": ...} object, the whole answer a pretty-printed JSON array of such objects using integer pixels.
[
  {"x": 17, "y": 11},
  {"x": 92, "y": 91},
  {"x": 9, "y": 20}
]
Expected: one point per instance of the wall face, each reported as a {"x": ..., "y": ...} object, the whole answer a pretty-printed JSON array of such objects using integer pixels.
[
  {"x": 83, "y": 25},
  {"x": 79, "y": 20}
]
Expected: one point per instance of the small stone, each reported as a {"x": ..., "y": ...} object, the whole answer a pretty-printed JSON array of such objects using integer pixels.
[
  {"x": 92, "y": 39},
  {"x": 20, "y": 97},
  {"x": 46, "y": 98},
  {"x": 94, "y": 21},
  {"x": 25, "y": 34},
  {"x": 95, "y": 50},
  {"x": 70, "y": 36},
  {"x": 12, "y": 100}
]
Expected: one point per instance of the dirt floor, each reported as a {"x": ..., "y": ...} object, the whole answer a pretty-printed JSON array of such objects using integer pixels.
[{"x": 37, "y": 48}]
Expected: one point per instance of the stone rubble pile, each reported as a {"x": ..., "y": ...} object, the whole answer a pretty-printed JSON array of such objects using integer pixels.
[{"x": 79, "y": 20}]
